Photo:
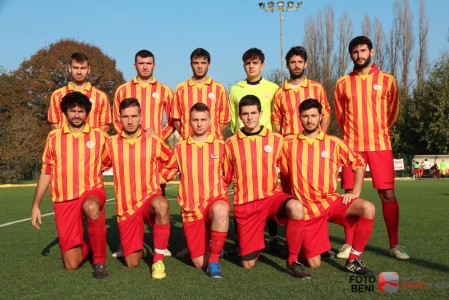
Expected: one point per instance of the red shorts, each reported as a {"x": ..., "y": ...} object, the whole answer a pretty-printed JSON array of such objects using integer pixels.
[
  {"x": 69, "y": 219},
  {"x": 416, "y": 171},
  {"x": 381, "y": 169},
  {"x": 316, "y": 236},
  {"x": 197, "y": 232},
  {"x": 132, "y": 229},
  {"x": 251, "y": 217}
]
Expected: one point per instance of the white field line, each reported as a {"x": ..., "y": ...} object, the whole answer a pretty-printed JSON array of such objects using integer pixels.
[{"x": 52, "y": 213}]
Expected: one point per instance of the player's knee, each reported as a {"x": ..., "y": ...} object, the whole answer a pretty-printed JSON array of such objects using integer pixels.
[
  {"x": 220, "y": 211},
  {"x": 313, "y": 263},
  {"x": 369, "y": 210},
  {"x": 248, "y": 264},
  {"x": 71, "y": 265},
  {"x": 387, "y": 195},
  {"x": 92, "y": 208},
  {"x": 294, "y": 209},
  {"x": 160, "y": 205},
  {"x": 131, "y": 262}
]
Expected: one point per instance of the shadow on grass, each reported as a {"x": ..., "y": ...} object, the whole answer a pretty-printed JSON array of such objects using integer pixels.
[{"x": 413, "y": 260}]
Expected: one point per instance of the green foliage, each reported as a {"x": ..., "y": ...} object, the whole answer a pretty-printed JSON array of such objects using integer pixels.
[
  {"x": 424, "y": 124},
  {"x": 25, "y": 96}
]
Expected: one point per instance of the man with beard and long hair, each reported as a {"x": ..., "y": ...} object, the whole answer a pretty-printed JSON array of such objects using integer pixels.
[
  {"x": 200, "y": 88},
  {"x": 285, "y": 115},
  {"x": 135, "y": 158},
  {"x": 366, "y": 107},
  {"x": 312, "y": 160}
]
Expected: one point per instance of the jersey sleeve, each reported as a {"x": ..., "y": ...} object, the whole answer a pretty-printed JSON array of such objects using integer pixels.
[
  {"x": 276, "y": 114},
  {"x": 115, "y": 112}
]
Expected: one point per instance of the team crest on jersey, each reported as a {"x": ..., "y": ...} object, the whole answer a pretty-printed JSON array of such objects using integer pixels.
[
  {"x": 92, "y": 100},
  {"x": 267, "y": 148},
  {"x": 377, "y": 87},
  {"x": 324, "y": 154},
  {"x": 211, "y": 96},
  {"x": 214, "y": 156},
  {"x": 90, "y": 144},
  {"x": 267, "y": 95},
  {"x": 155, "y": 95}
]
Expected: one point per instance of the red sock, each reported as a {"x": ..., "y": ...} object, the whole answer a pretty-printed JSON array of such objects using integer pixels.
[
  {"x": 97, "y": 238},
  {"x": 161, "y": 234},
  {"x": 349, "y": 233},
  {"x": 294, "y": 234},
  {"x": 362, "y": 232},
  {"x": 218, "y": 240},
  {"x": 390, "y": 211}
]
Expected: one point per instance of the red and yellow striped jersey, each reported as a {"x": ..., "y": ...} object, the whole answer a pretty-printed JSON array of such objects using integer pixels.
[
  {"x": 155, "y": 99},
  {"x": 136, "y": 170},
  {"x": 286, "y": 103},
  {"x": 252, "y": 165},
  {"x": 99, "y": 115},
  {"x": 74, "y": 162},
  {"x": 366, "y": 108},
  {"x": 211, "y": 93},
  {"x": 201, "y": 174},
  {"x": 312, "y": 166}
]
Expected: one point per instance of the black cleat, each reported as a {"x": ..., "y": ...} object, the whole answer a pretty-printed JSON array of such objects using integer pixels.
[
  {"x": 358, "y": 267},
  {"x": 100, "y": 271},
  {"x": 296, "y": 269}
]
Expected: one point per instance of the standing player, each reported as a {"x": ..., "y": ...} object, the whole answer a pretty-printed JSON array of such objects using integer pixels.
[
  {"x": 100, "y": 115},
  {"x": 202, "y": 191},
  {"x": 200, "y": 88},
  {"x": 135, "y": 159},
  {"x": 251, "y": 164},
  {"x": 366, "y": 107},
  {"x": 312, "y": 160},
  {"x": 285, "y": 115},
  {"x": 154, "y": 97},
  {"x": 443, "y": 168},
  {"x": 255, "y": 84},
  {"x": 72, "y": 166}
]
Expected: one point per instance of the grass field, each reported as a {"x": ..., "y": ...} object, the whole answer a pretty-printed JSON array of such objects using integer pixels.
[{"x": 30, "y": 268}]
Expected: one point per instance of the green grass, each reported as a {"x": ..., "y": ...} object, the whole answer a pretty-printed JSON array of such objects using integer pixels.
[{"x": 30, "y": 268}]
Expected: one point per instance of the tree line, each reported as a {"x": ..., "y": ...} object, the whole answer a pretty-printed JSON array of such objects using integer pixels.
[{"x": 423, "y": 126}]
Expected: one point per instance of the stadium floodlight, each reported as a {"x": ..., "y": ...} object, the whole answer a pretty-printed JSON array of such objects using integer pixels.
[{"x": 281, "y": 7}]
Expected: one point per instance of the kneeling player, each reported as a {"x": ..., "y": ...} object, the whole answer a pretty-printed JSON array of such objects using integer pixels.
[
  {"x": 135, "y": 158},
  {"x": 312, "y": 160},
  {"x": 202, "y": 191},
  {"x": 252, "y": 157}
]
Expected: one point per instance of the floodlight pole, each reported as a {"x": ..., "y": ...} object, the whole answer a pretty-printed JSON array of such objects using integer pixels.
[{"x": 281, "y": 8}]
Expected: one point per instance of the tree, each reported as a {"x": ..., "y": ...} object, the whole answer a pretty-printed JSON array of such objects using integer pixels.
[
  {"x": 424, "y": 125},
  {"x": 24, "y": 99},
  {"x": 406, "y": 38},
  {"x": 421, "y": 62}
]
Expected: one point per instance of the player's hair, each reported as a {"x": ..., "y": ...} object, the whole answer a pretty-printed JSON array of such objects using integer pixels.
[
  {"x": 253, "y": 53},
  {"x": 358, "y": 41},
  {"x": 199, "y": 107},
  {"x": 200, "y": 53},
  {"x": 297, "y": 50},
  {"x": 74, "y": 99},
  {"x": 309, "y": 104},
  {"x": 79, "y": 57},
  {"x": 249, "y": 100},
  {"x": 129, "y": 102},
  {"x": 144, "y": 54}
]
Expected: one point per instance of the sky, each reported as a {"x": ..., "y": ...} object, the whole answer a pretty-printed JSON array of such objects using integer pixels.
[{"x": 173, "y": 29}]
